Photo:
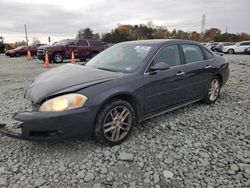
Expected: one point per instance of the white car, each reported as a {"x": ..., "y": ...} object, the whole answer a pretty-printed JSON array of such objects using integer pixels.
[{"x": 238, "y": 47}]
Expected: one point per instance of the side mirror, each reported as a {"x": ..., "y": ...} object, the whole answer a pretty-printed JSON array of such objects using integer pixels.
[{"x": 159, "y": 66}]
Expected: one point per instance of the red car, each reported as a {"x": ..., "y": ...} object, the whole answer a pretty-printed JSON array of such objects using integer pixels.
[
  {"x": 20, "y": 51},
  {"x": 82, "y": 48}
]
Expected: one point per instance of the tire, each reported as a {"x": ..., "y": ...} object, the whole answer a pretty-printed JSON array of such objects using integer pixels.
[
  {"x": 17, "y": 55},
  {"x": 212, "y": 91},
  {"x": 110, "y": 119},
  {"x": 83, "y": 59},
  {"x": 230, "y": 51},
  {"x": 58, "y": 57}
]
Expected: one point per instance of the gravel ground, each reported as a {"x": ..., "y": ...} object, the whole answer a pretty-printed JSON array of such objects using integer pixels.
[{"x": 196, "y": 146}]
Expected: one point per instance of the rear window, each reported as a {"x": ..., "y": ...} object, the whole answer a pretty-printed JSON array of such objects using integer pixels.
[{"x": 192, "y": 53}]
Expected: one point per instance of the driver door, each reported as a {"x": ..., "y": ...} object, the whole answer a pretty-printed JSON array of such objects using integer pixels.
[{"x": 164, "y": 89}]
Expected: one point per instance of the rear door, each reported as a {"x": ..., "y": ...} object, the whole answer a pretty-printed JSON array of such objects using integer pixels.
[
  {"x": 84, "y": 50},
  {"x": 198, "y": 70}
]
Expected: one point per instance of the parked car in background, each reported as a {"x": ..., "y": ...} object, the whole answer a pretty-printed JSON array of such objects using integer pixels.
[
  {"x": 2, "y": 45},
  {"x": 125, "y": 84},
  {"x": 21, "y": 50},
  {"x": 211, "y": 45},
  {"x": 238, "y": 47},
  {"x": 63, "y": 49},
  {"x": 107, "y": 45},
  {"x": 219, "y": 47},
  {"x": 247, "y": 51}
]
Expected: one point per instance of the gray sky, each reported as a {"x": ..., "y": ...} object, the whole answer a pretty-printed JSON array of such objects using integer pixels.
[{"x": 63, "y": 18}]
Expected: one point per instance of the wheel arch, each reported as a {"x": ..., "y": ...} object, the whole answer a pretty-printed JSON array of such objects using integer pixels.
[
  {"x": 58, "y": 51},
  {"x": 220, "y": 78},
  {"x": 231, "y": 49},
  {"x": 128, "y": 98}
]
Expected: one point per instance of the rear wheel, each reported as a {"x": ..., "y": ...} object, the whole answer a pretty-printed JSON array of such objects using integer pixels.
[
  {"x": 230, "y": 51},
  {"x": 114, "y": 122},
  {"x": 17, "y": 55},
  {"x": 213, "y": 91},
  {"x": 58, "y": 57}
]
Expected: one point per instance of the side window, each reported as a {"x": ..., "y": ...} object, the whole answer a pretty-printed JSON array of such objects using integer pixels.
[
  {"x": 82, "y": 43},
  {"x": 169, "y": 55},
  {"x": 72, "y": 43},
  {"x": 245, "y": 44},
  {"x": 95, "y": 43},
  {"x": 192, "y": 53},
  {"x": 208, "y": 54}
]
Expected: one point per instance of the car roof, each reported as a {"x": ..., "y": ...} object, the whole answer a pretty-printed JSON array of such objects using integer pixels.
[{"x": 159, "y": 41}]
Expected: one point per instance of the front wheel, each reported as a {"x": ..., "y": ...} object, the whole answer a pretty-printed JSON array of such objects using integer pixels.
[
  {"x": 213, "y": 91},
  {"x": 58, "y": 57},
  {"x": 114, "y": 122},
  {"x": 230, "y": 51}
]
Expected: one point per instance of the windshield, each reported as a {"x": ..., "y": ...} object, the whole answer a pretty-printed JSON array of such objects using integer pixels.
[{"x": 121, "y": 58}]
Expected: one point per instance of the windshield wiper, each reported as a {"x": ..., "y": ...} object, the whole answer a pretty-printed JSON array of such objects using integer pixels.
[{"x": 107, "y": 69}]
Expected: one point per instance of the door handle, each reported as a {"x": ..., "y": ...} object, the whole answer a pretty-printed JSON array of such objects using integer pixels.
[
  {"x": 180, "y": 73},
  {"x": 208, "y": 66}
]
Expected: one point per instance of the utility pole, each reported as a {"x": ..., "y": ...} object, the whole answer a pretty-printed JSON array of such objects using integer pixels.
[
  {"x": 203, "y": 20},
  {"x": 27, "y": 41},
  {"x": 49, "y": 39},
  {"x": 203, "y": 23},
  {"x": 226, "y": 29}
]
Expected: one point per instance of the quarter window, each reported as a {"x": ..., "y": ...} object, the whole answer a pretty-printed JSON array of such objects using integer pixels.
[
  {"x": 169, "y": 55},
  {"x": 192, "y": 53},
  {"x": 208, "y": 54}
]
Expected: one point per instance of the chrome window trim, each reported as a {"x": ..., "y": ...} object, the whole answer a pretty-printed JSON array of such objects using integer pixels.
[{"x": 145, "y": 71}]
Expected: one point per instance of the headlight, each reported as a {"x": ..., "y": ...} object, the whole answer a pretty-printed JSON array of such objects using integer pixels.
[{"x": 64, "y": 102}]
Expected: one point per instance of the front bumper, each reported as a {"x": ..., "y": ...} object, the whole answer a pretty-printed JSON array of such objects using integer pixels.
[
  {"x": 41, "y": 56},
  {"x": 52, "y": 125}
]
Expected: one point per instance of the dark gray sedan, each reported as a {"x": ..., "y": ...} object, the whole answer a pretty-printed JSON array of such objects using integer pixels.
[{"x": 125, "y": 84}]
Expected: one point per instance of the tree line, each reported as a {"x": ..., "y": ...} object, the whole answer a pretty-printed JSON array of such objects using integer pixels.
[{"x": 149, "y": 31}]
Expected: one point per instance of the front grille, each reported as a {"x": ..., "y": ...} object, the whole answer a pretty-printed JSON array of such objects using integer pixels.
[{"x": 40, "y": 52}]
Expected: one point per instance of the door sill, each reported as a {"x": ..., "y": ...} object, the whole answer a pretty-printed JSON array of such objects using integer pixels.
[{"x": 171, "y": 109}]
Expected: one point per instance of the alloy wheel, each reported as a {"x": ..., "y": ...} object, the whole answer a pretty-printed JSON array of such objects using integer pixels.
[
  {"x": 117, "y": 123},
  {"x": 214, "y": 89},
  {"x": 58, "y": 58}
]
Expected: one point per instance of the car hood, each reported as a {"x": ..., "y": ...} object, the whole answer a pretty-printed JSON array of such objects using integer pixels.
[
  {"x": 54, "y": 47},
  {"x": 65, "y": 79},
  {"x": 9, "y": 51},
  {"x": 43, "y": 47}
]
